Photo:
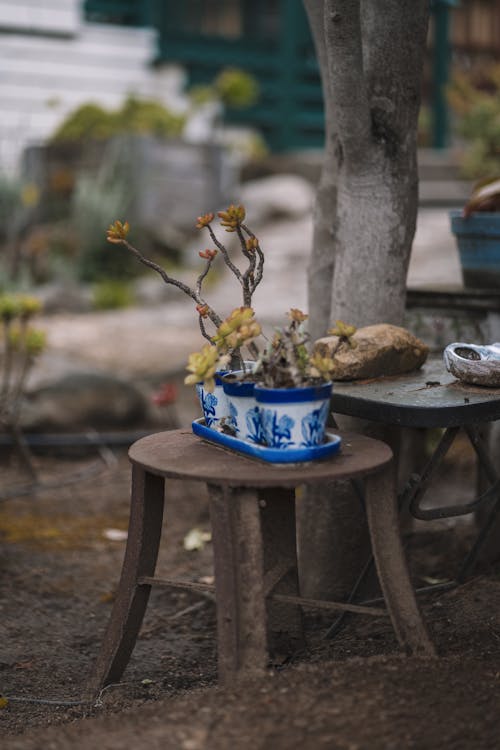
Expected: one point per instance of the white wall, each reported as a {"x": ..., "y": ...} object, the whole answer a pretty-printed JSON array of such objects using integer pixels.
[
  {"x": 52, "y": 61},
  {"x": 38, "y": 16}
]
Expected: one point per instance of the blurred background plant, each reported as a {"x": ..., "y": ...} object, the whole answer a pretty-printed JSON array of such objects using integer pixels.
[
  {"x": 474, "y": 97},
  {"x": 20, "y": 346},
  {"x": 102, "y": 162},
  {"x": 91, "y": 121},
  {"x": 232, "y": 87},
  {"x": 112, "y": 294}
]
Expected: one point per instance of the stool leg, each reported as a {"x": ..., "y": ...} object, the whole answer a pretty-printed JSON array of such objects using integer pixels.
[
  {"x": 383, "y": 522},
  {"x": 284, "y": 621},
  {"x": 146, "y": 515},
  {"x": 239, "y": 581}
]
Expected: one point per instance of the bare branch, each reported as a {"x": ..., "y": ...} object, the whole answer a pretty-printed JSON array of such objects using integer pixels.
[
  {"x": 175, "y": 282},
  {"x": 257, "y": 267},
  {"x": 203, "y": 330},
  {"x": 227, "y": 259},
  {"x": 249, "y": 273},
  {"x": 202, "y": 276},
  {"x": 8, "y": 359}
]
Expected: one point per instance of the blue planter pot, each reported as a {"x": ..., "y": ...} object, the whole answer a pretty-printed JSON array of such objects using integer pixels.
[
  {"x": 293, "y": 417},
  {"x": 244, "y": 411},
  {"x": 478, "y": 241},
  {"x": 215, "y": 405}
]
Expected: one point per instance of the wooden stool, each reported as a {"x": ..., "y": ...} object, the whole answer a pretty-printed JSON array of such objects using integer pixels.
[{"x": 252, "y": 512}]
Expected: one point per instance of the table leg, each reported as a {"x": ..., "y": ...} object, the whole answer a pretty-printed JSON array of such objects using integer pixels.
[
  {"x": 383, "y": 522},
  {"x": 146, "y": 516}
]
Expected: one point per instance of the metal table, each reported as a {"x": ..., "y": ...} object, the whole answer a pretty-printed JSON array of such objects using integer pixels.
[
  {"x": 252, "y": 512},
  {"x": 431, "y": 397}
]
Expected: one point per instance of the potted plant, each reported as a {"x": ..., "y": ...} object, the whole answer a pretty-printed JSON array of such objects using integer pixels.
[
  {"x": 283, "y": 401},
  {"x": 209, "y": 364},
  {"x": 293, "y": 393},
  {"x": 477, "y": 232},
  {"x": 208, "y": 370},
  {"x": 280, "y": 397}
]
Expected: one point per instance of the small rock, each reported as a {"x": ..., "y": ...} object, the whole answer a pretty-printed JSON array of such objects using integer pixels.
[{"x": 381, "y": 349}]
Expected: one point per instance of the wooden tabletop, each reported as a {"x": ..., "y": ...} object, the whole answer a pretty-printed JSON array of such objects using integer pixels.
[
  {"x": 180, "y": 454},
  {"x": 429, "y": 397}
]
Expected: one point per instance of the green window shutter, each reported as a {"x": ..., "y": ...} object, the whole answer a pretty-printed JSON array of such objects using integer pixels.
[{"x": 121, "y": 12}]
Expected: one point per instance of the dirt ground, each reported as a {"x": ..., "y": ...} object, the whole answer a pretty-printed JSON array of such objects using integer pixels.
[{"x": 58, "y": 573}]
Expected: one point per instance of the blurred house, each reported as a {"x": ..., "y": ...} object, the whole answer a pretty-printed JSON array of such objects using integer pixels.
[
  {"x": 57, "y": 54},
  {"x": 54, "y": 57}
]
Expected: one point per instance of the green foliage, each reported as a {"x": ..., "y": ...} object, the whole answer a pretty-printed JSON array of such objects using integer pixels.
[
  {"x": 232, "y": 87},
  {"x": 135, "y": 116},
  {"x": 20, "y": 343},
  {"x": 112, "y": 295},
  {"x": 26, "y": 341},
  {"x": 201, "y": 94},
  {"x": 236, "y": 88},
  {"x": 95, "y": 204},
  {"x": 424, "y": 126},
  {"x": 148, "y": 116},
  {"x": 10, "y": 201},
  {"x": 87, "y": 121},
  {"x": 475, "y": 97}
]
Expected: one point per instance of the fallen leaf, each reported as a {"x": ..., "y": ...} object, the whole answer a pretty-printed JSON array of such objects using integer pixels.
[
  {"x": 115, "y": 535},
  {"x": 107, "y": 597},
  {"x": 196, "y": 539}
]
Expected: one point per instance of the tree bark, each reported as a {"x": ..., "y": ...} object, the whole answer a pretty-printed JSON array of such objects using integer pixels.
[
  {"x": 371, "y": 57},
  {"x": 322, "y": 260}
]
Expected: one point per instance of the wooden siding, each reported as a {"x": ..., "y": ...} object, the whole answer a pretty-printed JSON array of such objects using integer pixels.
[
  {"x": 56, "y": 17},
  {"x": 45, "y": 77}
]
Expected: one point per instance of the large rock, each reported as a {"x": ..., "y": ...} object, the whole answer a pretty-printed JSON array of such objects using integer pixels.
[
  {"x": 278, "y": 196},
  {"x": 84, "y": 401},
  {"x": 60, "y": 296},
  {"x": 381, "y": 349}
]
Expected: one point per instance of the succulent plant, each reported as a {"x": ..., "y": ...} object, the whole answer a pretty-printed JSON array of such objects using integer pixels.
[
  {"x": 232, "y": 220},
  {"x": 485, "y": 197}
]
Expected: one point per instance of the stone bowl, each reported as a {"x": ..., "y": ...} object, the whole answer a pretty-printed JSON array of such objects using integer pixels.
[{"x": 474, "y": 364}]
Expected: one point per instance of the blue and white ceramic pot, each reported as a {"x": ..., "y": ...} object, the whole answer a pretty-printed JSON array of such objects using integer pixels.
[
  {"x": 293, "y": 417},
  {"x": 245, "y": 416},
  {"x": 214, "y": 405}
]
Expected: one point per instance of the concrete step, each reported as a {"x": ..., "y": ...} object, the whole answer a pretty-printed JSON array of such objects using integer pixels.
[{"x": 449, "y": 193}]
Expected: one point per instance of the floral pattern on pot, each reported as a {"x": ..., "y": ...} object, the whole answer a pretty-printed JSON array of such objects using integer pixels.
[
  {"x": 215, "y": 405},
  {"x": 254, "y": 425},
  {"x": 297, "y": 418},
  {"x": 276, "y": 431},
  {"x": 313, "y": 425},
  {"x": 245, "y": 417}
]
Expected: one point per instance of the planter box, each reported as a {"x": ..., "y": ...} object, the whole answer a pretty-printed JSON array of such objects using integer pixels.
[
  {"x": 478, "y": 241},
  {"x": 168, "y": 181}
]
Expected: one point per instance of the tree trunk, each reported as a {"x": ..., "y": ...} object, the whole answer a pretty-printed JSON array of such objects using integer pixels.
[
  {"x": 371, "y": 57},
  {"x": 321, "y": 264}
]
